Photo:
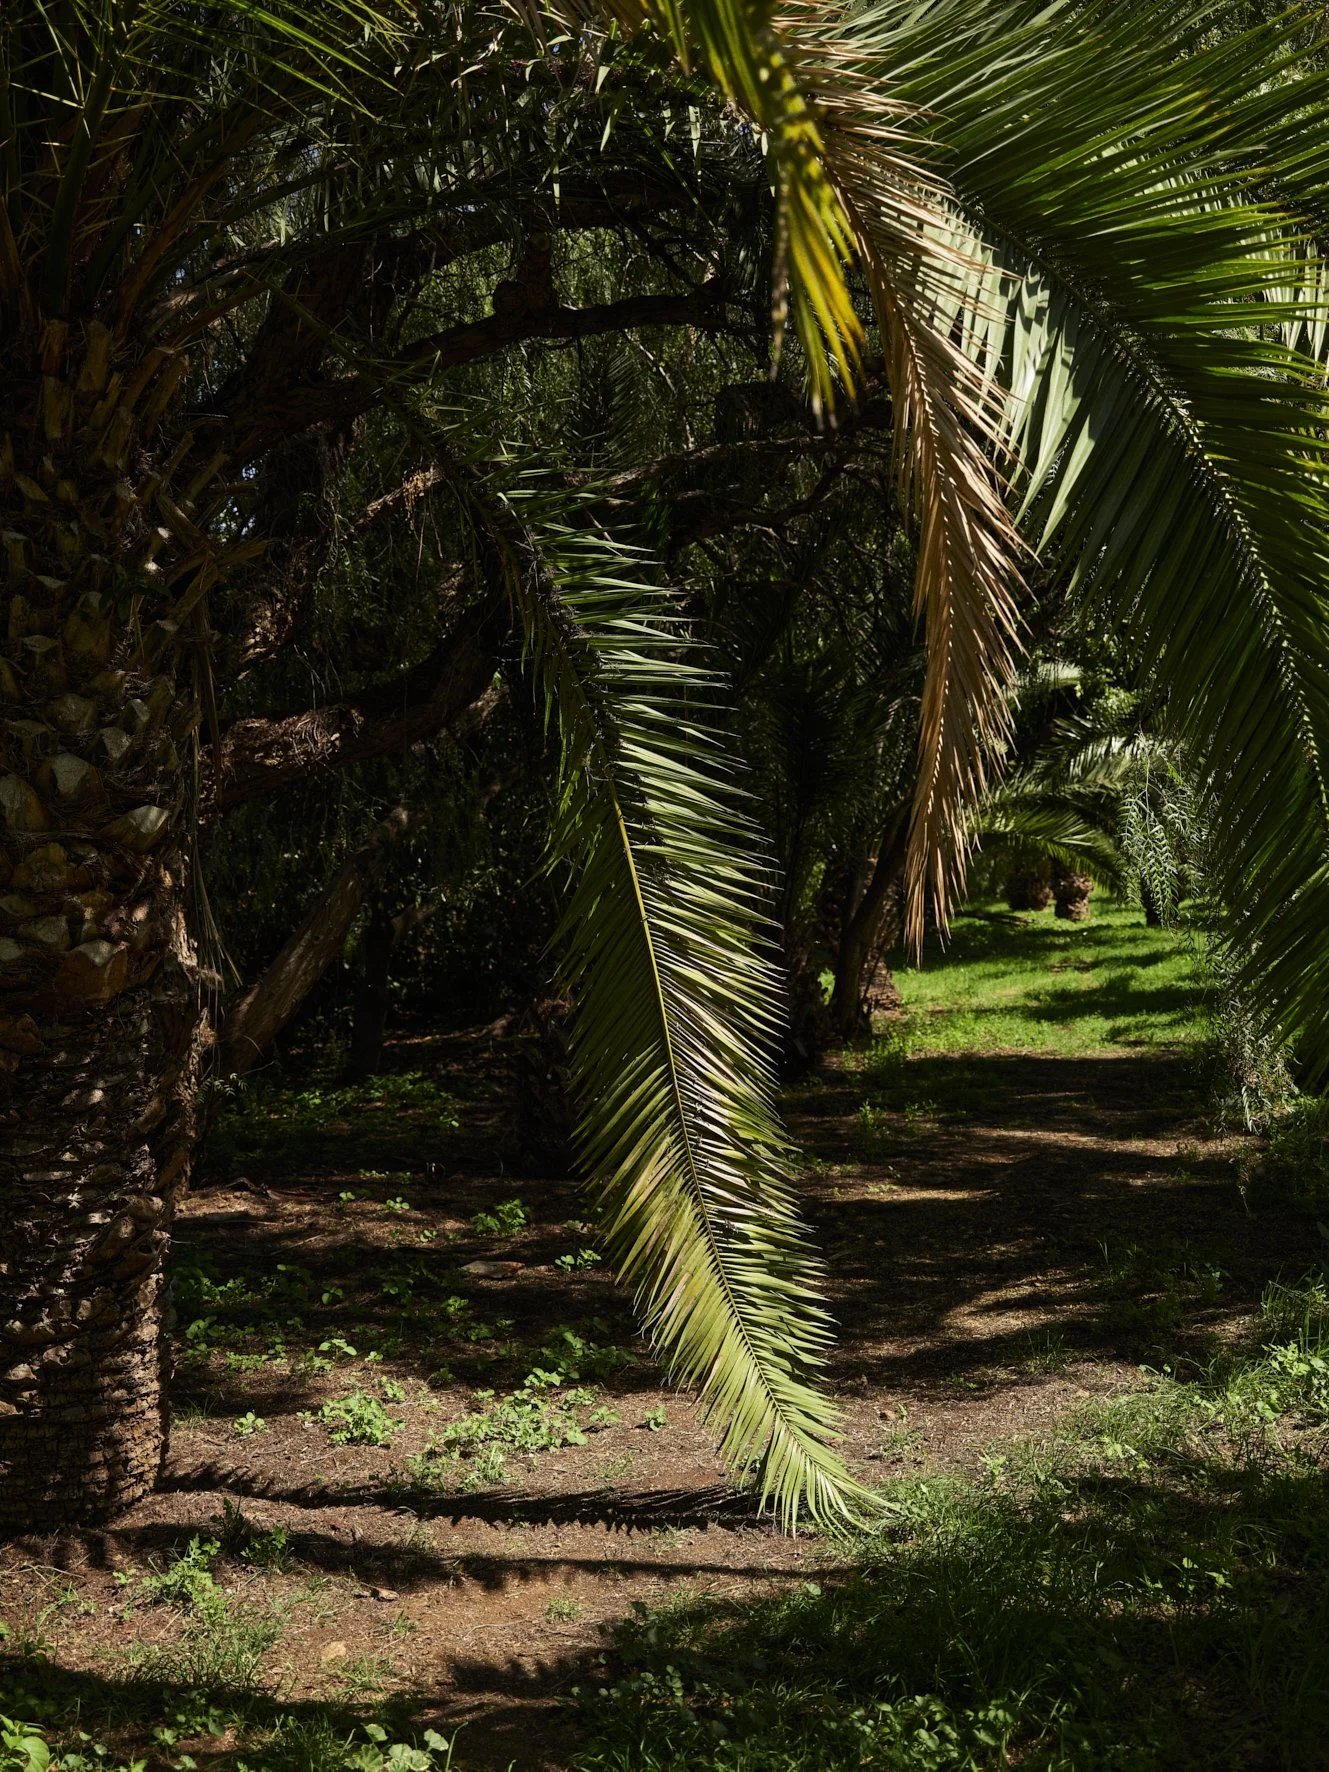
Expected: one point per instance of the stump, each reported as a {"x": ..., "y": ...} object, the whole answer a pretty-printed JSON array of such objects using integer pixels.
[
  {"x": 1027, "y": 889},
  {"x": 1072, "y": 895}
]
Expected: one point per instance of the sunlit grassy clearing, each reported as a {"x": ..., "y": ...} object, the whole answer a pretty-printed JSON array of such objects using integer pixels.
[{"x": 1038, "y": 984}]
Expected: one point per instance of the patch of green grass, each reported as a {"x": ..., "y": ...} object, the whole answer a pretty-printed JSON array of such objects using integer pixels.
[
  {"x": 614, "y": 1469},
  {"x": 221, "y": 1650},
  {"x": 1045, "y": 1350},
  {"x": 209, "y": 1686},
  {"x": 221, "y": 1645},
  {"x": 365, "y": 1676},
  {"x": 1145, "y": 1589},
  {"x": 1031, "y": 983}
]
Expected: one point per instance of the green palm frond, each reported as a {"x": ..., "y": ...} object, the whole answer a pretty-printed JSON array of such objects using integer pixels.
[
  {"x": 747, "y": 56},
  {"x": 1138, "y": 284},
  {"x": 751, "y": 60},
  {"x": 677, "y": 1011},
  {"x": 1052, "y": 827},
  {"x": 1173, "y": 444},
  {"x": 1081, "y": 755},
  {"x": 847, "y": 188},
  {"x": 1162, "y": 837}
]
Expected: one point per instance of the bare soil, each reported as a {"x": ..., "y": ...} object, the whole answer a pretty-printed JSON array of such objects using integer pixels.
[{"x": 1057, "y": 1223}]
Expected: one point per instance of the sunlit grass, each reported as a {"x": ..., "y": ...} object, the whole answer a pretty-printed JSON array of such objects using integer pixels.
[{"x": 1035, "y": 984}]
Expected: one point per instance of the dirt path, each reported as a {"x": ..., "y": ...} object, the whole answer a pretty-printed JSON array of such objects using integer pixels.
[
  {"x": 1057, "y": 1223},
  {"x": 1005, "y": 1235}
]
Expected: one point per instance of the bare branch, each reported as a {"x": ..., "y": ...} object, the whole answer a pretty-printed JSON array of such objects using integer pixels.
[
  {"x": 259, "y": 756},
  {"x": 260, "y": 1015},
  {"x": 293, "y": 408}
]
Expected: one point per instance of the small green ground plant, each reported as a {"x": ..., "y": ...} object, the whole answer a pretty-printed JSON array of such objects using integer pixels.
[
  {"x": 506, "y": 1219},
  {"x": 546, "y": 1412},
  {"x": 44, "y": 1737},
  {"x": 357, "y": 1420}
]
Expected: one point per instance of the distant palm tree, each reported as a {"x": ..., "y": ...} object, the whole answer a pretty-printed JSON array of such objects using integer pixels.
[{"x": 1084, "y": 234}]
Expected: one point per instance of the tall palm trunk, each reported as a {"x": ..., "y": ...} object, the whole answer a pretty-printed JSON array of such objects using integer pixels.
[{"x": 100, "y": 998}]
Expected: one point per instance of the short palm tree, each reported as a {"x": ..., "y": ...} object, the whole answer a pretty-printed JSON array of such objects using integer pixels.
[{"x": 1084, "y": 235}]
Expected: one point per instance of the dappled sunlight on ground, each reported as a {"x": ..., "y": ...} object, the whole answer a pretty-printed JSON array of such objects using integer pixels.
[{"x": 1023, "y": 1211}]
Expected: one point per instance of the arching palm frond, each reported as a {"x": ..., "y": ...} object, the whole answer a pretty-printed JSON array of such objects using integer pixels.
[
  {"x": 1133, "y": 287},
  {"x": 1172, "y": 446},
  {"x": 677, "y": 1004},
  {"x": 923, "y": 274},
  {"x": 851, "y": 183},
  {"x": 1052, "y": 827},
  {"x": 743, "y": 48},
  {"x": 743, "y": 52}
]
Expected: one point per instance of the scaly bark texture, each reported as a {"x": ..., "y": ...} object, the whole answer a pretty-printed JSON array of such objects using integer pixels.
[
  {"x": 1072, "y": 892},
  {"x": 101, "y": 1000}
]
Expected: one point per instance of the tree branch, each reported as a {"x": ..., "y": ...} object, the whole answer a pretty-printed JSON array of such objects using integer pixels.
[
  {"x": 259, "y": 756},
  {"x": 264, "y": 1010},
  {"x": 298, "y": 408}
]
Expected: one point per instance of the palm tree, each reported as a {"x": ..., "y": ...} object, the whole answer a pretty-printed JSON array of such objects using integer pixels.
[
  {"x": 216, "y": 226},
  {"x": 1091, "y": 237},
  {"x": 219, "y": 231}
]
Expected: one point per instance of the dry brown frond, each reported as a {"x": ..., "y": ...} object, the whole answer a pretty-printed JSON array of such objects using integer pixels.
[{"x": 932, "y": 285}]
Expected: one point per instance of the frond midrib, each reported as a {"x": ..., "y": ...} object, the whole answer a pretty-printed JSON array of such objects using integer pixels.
[{"x": 643, "y": 928}]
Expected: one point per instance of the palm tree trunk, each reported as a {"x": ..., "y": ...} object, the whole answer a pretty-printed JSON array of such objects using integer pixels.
[
  {"x": 100, "y": 1127},
  {"x": 862, "y": 930},
  {"x": 102, "y": 1005}
]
